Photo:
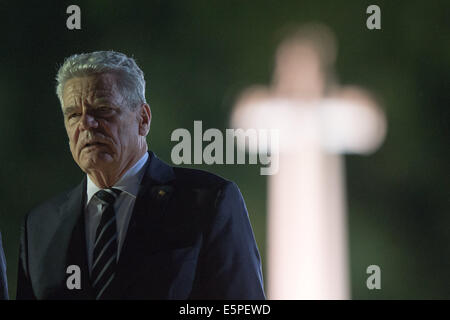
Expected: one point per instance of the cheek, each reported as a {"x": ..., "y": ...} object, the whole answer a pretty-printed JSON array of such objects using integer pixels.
[
  {"x": 72, "y": 135},
  {"x": 72, "y": 144},
  {"x": 108, "y": 130},
  {"x": 126, "y": 133},
  {"x": 132, "y": 131}
]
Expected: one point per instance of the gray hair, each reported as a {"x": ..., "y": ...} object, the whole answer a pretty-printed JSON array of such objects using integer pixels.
[{"x": 130, "y": 81}]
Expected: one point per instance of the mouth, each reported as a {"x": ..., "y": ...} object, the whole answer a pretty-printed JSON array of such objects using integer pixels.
[{"x": 93, "y": 145}]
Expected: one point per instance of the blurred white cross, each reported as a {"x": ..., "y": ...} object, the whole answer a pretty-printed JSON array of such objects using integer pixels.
[{"x": 317, "y": 122}]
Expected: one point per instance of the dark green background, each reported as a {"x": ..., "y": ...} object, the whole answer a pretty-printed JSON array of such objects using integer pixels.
[{"x": 197, "y": 57}]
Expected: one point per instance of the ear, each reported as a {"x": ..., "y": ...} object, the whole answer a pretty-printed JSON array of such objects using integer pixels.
[{"x": 145, "y": 117}]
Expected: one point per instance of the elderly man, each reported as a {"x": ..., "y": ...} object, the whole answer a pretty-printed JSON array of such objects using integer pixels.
[
  {"x": 3, "y": 281},
  {"x": 135, "y": 228}
]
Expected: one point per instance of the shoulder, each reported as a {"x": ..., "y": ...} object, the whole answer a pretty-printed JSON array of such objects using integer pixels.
[
  {"x": 196, "y": 178},
  {"x": 48, "y": 209},
  {"x": 185, "y": 178},
  {"x": 208, "y": 188},
  {"x": 215, "y": 185}
]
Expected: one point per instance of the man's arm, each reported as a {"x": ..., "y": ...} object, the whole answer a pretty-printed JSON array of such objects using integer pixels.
[
  {"x": 229, "y": 263},
  {"x": 3, "y": 277},
  {"x": 24, "y": 288}
]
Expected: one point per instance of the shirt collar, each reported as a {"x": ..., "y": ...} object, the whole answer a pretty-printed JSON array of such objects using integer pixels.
[{"x": 128, "y": 183}]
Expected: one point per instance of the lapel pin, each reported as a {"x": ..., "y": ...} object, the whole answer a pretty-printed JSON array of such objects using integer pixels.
[{"x": 161, "y": 193}]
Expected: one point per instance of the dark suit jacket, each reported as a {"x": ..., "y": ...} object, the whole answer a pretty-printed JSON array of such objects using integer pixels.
[
  {"x": 3, "y": 279},
  {"x": 189, "y": 237}
]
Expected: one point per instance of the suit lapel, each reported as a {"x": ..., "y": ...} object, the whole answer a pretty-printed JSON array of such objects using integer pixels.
[
  {"x": 145, "y": 229},
  {"x": 71, "y": 241}
]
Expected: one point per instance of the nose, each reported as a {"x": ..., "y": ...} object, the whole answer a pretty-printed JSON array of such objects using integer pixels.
[{"x": 88, "y": 121}]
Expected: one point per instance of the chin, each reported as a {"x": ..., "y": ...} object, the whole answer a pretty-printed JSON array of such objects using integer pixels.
[{"x": 96, "y": 161}]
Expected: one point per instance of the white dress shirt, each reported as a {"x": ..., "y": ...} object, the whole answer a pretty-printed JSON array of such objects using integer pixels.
[{"x": 123, "y": 206}]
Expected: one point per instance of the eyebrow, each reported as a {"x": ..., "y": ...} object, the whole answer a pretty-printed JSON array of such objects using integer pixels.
[
  {"x": 73, "y": 108},
  {"x": 103, "y": 98},
  {"x": 69, "y": 110}
]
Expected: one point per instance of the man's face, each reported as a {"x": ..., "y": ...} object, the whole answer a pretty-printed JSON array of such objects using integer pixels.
[{"x": 104, "y": 134}]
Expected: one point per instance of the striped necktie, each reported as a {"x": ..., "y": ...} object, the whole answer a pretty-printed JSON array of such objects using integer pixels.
[{"x": 105, "y": 245}]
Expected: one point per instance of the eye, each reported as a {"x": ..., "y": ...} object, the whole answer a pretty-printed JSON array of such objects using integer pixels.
[
  {"x": 73, "y": 115},
  {"x": 104, "y": 109}
]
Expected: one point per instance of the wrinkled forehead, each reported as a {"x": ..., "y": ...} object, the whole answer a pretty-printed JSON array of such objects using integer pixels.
[{"x": 90, "y": 88}]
